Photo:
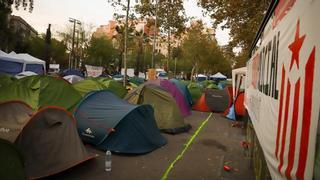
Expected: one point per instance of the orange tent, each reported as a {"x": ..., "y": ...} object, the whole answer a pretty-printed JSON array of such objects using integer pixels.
[
  {"x": 201, "y": 105},
  {"x": 239, "y": 105}
]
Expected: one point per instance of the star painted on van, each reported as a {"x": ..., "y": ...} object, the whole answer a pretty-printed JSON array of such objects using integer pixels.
[{"x": 295, "y": 46}]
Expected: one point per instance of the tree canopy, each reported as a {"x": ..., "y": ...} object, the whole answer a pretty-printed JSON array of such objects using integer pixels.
[
  {"x": 201, "y": 52},
  {"x": 242, "y": 17},
  {"x": 101, "y": 52}
]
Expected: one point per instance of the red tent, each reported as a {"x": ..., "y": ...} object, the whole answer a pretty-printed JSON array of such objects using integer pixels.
[{"x": 201, "y": 105}]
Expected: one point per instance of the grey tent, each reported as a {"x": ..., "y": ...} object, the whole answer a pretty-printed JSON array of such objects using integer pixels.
[
  {"x": 48, "y": 139},
  {"x": 108, "y": 122},
  {"x": 217, "y": 100},
  {"x": 12, "y": 162},
  {"x": 14, "y": 116}
]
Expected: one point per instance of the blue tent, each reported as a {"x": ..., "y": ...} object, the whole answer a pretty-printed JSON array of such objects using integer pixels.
[
  {"x": 184, "y": 90},
  {"x": 77, "y": 72},
  {"x": 110, "y": 123}
]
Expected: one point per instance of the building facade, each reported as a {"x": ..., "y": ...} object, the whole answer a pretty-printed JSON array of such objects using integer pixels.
[{"x": 22, "y": 27}]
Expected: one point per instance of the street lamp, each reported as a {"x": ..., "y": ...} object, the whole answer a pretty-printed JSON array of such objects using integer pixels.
[
  {"x": 74, "y": 21},
  {"x": 154, "y": 35}
]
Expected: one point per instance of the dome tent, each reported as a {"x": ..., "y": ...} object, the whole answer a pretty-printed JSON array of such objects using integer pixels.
[
  {"x": 175, "y": 93},
  {"x": 14, "y": 116},
  {"x": 88, "y": 85},
  {"x": 108, "y": 122},
  {"x": 201, "y": 105},
  {"x": 184, "y": 90},
  {"x": 59, "y": 146},
  {"x": 195, "y": 91},
  {"x": 73, "y": 78},
  {"x": 5, "y": 80},
  {"x": 96, "y": 84},
  {"x": 67, "y": 72},
  {"x": 48, "y": 139},
  {"x": 41, "y": 91},
  {"x": 12, "y": 162},
  {"x": 114, "y": 86},
  {"x": 167, "y": 113},
  {"x": 217, "y": 100}
]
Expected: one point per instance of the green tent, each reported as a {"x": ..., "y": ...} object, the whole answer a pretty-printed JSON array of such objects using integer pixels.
[
  {"x": 195, "y": 91},
  {"x": 96, "y": 84},
  {"x": 212, "y": 86},
  {"x": 116, "y": 87},
  {"x": 88, "y": 85},
  {"x": 166, "y": 111},
  {"x": 12, "y": 161},
  {"x": 41, "y": 91},
  {"x": 5, "y": 80}
]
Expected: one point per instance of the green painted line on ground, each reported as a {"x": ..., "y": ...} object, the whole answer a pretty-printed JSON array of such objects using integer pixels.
[{"x": 165, "y": 175}]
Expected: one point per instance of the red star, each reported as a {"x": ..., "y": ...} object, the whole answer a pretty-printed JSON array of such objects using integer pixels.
[{"x": 295, "y": 46}]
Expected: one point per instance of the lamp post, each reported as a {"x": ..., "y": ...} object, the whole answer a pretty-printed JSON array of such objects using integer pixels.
[
  {"x": 154, "y": 35},
  {"x": 74, "y": 21},
  {"x": 125, "y": 44}
]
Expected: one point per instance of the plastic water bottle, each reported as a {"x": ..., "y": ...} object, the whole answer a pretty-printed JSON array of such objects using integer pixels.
[{"x": 108, "y": 161}]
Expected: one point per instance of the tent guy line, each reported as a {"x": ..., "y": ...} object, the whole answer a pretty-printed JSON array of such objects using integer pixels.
[{"x": 192, "y": 138}]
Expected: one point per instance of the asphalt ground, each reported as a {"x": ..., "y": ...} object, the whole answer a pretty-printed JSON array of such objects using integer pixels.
[{"x": 217, "y": 144}]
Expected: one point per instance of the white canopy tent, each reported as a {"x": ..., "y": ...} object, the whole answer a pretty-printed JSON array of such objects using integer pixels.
[
  {"x": 238, "y": 80},
  {"x": 16, "y": 63},
  {"x": 218, "y": 75}
]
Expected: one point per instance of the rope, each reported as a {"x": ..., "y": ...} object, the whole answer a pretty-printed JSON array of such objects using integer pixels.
[{"x": 165, "y": 175}]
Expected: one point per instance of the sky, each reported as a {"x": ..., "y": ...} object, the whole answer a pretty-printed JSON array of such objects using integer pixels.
[{"x": 94, "y": 12}]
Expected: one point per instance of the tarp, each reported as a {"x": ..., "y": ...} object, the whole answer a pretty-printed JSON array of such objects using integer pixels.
[
  {"x": 166, "y": 111},
  {"x": 67, "y": 72},
  {"x": 41, "y": 91},
  {"x": 217, "y": 100},
  {"x": 175, "y": 93},
  {"x": 73, "y": 78},
  {"x": 12, "y": 162},
  {"x": 282, "y": 88},
  {"x": 94, "y": 71},
  {"x": 25, "y": 74},
  {"x": 110, "y": 123},
  {"x": 184, "y": 90},
  {"x": 50, "y": 143}
]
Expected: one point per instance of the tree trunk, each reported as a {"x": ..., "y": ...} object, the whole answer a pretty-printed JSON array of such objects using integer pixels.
[
  {"x": 138, "y": 59},
  {"x": 169, "y": 49},
  {"x": 120, "y": 62}
]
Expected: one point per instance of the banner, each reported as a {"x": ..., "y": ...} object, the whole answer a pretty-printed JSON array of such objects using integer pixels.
[
  {"x": 94, "y": 71},
  {"x": 282, "y": 89}
]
